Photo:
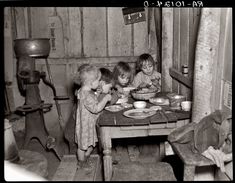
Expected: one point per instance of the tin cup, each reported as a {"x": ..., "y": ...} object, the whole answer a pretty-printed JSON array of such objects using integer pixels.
[{"x": 186, "y": 105}]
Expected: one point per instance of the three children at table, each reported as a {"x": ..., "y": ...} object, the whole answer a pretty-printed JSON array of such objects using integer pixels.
[{"x": 91, "y": 103}]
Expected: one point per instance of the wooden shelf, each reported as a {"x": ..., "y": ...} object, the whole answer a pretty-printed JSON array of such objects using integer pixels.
[{"x": 181, "y": 78}]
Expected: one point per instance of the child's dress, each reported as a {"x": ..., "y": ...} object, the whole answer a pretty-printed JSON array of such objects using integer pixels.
[
  {"x": 142, "y": 78},
  {"x": 85, "y": 134}
]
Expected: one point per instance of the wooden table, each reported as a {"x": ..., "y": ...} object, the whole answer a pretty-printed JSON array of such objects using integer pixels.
[{"x": 112, "y": 125}]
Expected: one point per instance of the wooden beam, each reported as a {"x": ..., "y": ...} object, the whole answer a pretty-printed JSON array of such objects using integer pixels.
[
  {"x": 181, "y": 78},
  {"x": 167, "y": 47}
]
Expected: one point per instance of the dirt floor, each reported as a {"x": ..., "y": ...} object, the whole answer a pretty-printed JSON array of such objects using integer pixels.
[{"x": 140, "y": 159}]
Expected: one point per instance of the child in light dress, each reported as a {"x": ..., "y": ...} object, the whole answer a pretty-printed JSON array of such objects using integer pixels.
[
  {"x": 148, "y": 76},
  {"x": 88, "y": 110}
]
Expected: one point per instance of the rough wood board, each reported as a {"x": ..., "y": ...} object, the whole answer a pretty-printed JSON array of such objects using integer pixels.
[
  {"x": 8, "y": 47},
  {"x": 74, "y": 26},
  {"x": 184, "y": 45},
  {"x": 140, "y": 38},
  {"x": 90, "y": 174},
  {"x": 179, "y": 77},
  {"x": 136, "y": 171},
  {"x": 176, "y": 46},
  {"x": 94, "y": 34},
  {"x": 62, "y": 13},
  {"x": 67, "y": 169},
  {"x": 167, "y": 47},
  {"x": 39, "y": 21},
  {"x": 206, "y": 54},
  {"x": 20, "y": 22},
  {"x": 119, "y": 34}
]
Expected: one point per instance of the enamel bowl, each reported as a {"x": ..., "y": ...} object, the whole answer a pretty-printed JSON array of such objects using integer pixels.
[{"x": 140, "y": 104}]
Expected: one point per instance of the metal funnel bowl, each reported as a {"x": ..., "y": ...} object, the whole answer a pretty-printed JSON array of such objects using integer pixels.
[{"x": 38, "y": 47}]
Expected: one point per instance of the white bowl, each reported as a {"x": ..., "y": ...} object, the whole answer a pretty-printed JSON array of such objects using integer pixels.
[
  {"x": 186, "y": 105},
  {"x": 140, "y": 104}
]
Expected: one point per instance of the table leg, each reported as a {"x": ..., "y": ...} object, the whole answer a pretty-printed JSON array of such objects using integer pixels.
[
  {"x": 189, "y": 172},
  {"x": 107, "y": 152}
]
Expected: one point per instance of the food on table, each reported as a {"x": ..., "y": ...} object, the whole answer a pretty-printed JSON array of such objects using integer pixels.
[
  {"x": 145, "y": 90},
  {"x": 143, "y": 93},
  {"x": 159, "y": 101},
  {"x": 114, "y": 108},
  {"x": 139, "y": 113},
  {"x": 126, "y": 105},
  {"x": 122, "y": 99},
  {"x": 156, "y": 108}
]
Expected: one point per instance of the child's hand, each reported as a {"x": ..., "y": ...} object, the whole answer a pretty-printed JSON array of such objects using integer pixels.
[
  {"x": 108, "y": 97},
  {"x": 120, "y": 89},
  {"x": 156, "y": 83},
  {"x": 126, "y": 93},
  {"x": 114, "y": 98},
  {"x": 143, "y": 85}
]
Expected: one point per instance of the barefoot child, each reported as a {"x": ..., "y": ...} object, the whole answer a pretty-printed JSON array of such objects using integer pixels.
[{"x": 88, "y": 110}]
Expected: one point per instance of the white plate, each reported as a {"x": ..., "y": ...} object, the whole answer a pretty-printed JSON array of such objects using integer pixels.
[
  {"x": 114, "y": 108},
  {"x": 156, "y": 108},
  {"x": 139, "y": 113}
]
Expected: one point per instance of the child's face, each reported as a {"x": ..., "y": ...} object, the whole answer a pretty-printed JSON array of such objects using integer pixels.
[
  {"x": 123, "y": 79},
  {"x": 96, "y": 82},
  {"x": 106, "y": 87},
  {"x": 147, "y": 68}
]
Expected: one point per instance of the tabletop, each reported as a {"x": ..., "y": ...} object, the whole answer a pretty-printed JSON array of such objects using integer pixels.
[{"x": 167, "y": 115}]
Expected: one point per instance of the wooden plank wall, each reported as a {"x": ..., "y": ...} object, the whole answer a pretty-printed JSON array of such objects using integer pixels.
[
  {"x": 222, "y": 97},
  {"x": 185, "y": 28},
  {"x": 82, "y": 35}
]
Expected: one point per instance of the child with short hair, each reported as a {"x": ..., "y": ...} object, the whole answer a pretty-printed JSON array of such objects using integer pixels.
[
  {"x": 88, "y": 110},
  {"x": 123, "y": 76},
  {"x": 148, "y": 76},
  {"x": 106, "y": 85}
]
